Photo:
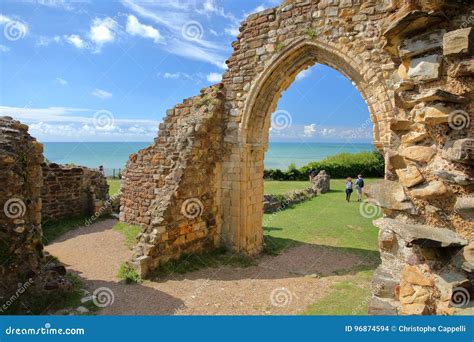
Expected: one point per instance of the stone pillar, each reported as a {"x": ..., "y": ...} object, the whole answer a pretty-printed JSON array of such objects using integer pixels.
[{"x": 22, "y": 262}]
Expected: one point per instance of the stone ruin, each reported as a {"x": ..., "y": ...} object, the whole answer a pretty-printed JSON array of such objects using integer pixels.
[
  {"x": 23, "y": 265},
  {"x": 320, "y": 184},
  {"x": 71, "y": 191},
  {"x": 200, "y": 184},
  {"x": 33, "y": 192}
]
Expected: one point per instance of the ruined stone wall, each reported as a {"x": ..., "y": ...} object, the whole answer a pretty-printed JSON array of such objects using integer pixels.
[
  {"x": 21, "y": 253},
  {"x": 273, "y": 47},
  {"x": 69, "y": 192},
  {"x": 172, "y": 188},
  {"x": 22, "y": 263},
  {"x": 427, "y": 196},
  {"x": 412, "y": 62}
]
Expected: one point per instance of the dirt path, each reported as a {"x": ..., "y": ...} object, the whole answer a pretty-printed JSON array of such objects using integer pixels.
[{"x": 285, "y": 284}]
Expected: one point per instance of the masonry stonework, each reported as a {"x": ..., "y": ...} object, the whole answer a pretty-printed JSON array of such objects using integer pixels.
[
  {"x": 412, "y": 62},
  {"x": 22, "y": 262},
  {"x": 70, "y": 191}
]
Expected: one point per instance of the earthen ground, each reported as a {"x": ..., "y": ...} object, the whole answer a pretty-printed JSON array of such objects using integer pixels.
[{"x": 297, "y": 278}]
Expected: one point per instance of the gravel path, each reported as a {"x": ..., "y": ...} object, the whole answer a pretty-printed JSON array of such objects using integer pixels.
[{"x": 283, "y": 284}]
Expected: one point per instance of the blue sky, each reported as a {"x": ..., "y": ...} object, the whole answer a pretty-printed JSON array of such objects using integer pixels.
[{"x": 108, "y": 70}]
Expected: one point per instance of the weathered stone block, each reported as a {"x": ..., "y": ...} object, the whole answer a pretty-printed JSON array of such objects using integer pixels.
[
  {"x": 434, "y": 114},
  {"x": 426, "y": 236},
  {"x": 410, "y": 176},
  {"x": 425, "y": 68},
  {"x": 434, "y": 189},
  {"x": 461, "y": 150},
  {"x": 389, "y": 195},
  {"x": 465, "y": 207},
  {"x": 459, "y": 42},
  {"x": 418, "y": 153},
  {"x": 421, "y": 44}
]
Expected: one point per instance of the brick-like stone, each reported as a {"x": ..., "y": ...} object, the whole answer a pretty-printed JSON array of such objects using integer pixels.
[{"x": 459, "y": 42}]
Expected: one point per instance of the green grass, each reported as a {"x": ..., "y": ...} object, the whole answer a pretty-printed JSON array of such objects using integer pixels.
[
  {"x": 279, "y": 188},
  {"x": 129, "y": 274},
  {"x": 114, "y": 186},
  {"x": 54, "y": 229},
  {"x": 328, "y": 220},
  {"x": 130, "y": 232},
  {"x": 348, "y": 297}
]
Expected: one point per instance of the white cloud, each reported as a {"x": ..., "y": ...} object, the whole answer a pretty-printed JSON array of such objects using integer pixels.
[
  {"x": 101, "y": 94},
  {"x": 64, "y": 115},
  {"x": 209, "y": 6},
  {"x": 4, "y": 19},
  {"x": 61, "y": 4},
  {"x": 259, "y": 8},
  {"x": 103, "y": 30},
  {"x": 214, "y": 77},
  {"x": 176, "y": 18},
  {"x": 45, "y": 41},
  {"x": 135, "y": 28},
  {"x": 232, "y": 31},
  {"x": 303, "y": 74},
  {"x": 4, "y": 48},
  {"x": 309, "y": 131},
  {"x": 314, "y": 132},
  {"x": 175, "y": 75},
  {"x": 75, "y": 40},
  {"x": 61, "y": 81}
]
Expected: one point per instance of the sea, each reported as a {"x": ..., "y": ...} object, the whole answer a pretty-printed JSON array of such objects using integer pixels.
[{"x": 114, "y": 155}]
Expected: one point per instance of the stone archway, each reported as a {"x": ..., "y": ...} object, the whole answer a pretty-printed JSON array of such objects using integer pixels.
[
  {"x": 199, "y": 186},
  {"x": 262, "y": 100}
]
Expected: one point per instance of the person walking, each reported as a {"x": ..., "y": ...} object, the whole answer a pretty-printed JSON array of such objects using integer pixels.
[
  {"x": 359, "y": 183},
  {"x": 312, "y": 173},
  {"x": 348, "y": 189}
]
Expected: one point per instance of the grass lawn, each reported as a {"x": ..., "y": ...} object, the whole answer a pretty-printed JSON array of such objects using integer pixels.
[
  {"x": 330, "y": 221},
  {"x": 279, "y": 188},
  {"x": 54, "y": 229},
  {"x": 130, "y": 232},
  {"x": 114, "y": 186}
]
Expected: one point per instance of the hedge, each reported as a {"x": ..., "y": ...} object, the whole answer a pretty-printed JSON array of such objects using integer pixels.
[{"x": 342, "y": 165}]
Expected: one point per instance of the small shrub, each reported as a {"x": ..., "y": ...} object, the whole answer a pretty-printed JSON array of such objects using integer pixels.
[
  {"x": 129, "y": 274},
  {"x": 311, "y": 33}
]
